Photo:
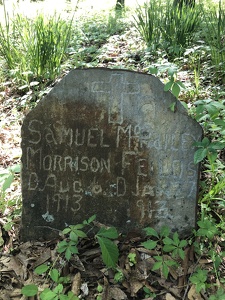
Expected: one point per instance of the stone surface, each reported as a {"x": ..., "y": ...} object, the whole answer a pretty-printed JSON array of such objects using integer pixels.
[{"x": 106, "y": 142}]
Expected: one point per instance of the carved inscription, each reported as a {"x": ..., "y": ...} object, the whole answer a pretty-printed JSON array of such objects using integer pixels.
[
  {"x": 106, "y": 142},
  {"x": 130, "y": 141}
]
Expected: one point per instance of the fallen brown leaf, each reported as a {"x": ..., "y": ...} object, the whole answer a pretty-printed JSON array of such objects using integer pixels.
[
  {"x": 76, "y": 284},
  {"x": 117, "y": 293},
  {"x": 169, "y": 297},
  {"x": 193, "y": 295}
]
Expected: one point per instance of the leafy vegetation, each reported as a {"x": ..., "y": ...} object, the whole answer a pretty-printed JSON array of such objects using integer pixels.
[{"x": 185, "y": 49}]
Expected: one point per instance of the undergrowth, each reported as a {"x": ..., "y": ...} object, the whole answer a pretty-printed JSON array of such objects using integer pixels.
[{"x": 185, "y": 49}]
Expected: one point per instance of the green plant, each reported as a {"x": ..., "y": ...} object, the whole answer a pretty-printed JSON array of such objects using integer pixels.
[
  {"x": 72, "y": 234},
  {"x": 110, "y": 252},
  {"x": 147, "y": 22},
  {"x": 157, "y": 238},
  {"x": 50, "y": 294},
  {"x": 7, "y": 177},
  {"x": 194, "y": 58},
  {"x": 173, "y": 84},
  {"x": 148, "y": 293},
  {"x": 162, "y": 242},
  {"x": 66, "y": 248},
  {"x": 163, "y": 264},
  {"x": 217, "y": 259},
  {"x": 215, "y": 24},
  {"x": 8, "y": 40},
  {"x": 178, "y": 27},
  {"x": 175, "y": 246},
  {"x": 51, "y": 39},
  {"x": 220, "y": 295},
  {"x": 132, "y": 257},
  {"x": 99, "y": 290},
  {"x": 210, "y": 114},
  {"x": 207, "y": 228},
  {"x": 119, "y": 276},
  {"x": 207, "y": 149},
  {"x": 34, "y": 48},
  {"x": 199, "y": 279}
]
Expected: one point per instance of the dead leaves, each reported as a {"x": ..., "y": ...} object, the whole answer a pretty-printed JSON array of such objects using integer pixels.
[{"x": 133, "y": 277}]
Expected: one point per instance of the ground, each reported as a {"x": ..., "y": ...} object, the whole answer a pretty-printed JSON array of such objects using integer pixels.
[{"x": 86, "y": 270}]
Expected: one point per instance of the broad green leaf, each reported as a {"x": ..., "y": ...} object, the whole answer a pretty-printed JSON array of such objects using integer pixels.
[
  {"x": 173, "y": 106},
  {"x": 153, "y": 70},
  {"x": 170, "y": 263},
  {"x": 78, "y": 226},
  {"x": 212, "y": 156},
  {"x": 90, "y": 220},
  {"x": 110, "y": 233},
  {"x": 151, "y": 232},
  {"x": 47, "y": 294},
  {"x": 73, "y": 236},
  {"x": 181, "y": 253},
  {"x": 176, "y": 239},
  {"x": 54, "y": 274},
  {"x": 74, "y": 249},
  {"x": 168, "y": 86},
  {"x": 199, "y": 109},
  {"x": 165, "y": 270},
  {"x": 7, "y": 182},
  {"x": 80, "y": 233},
  {"x": 66, "y": 230},
  {"x": 217, "y": 145},
  {"x": 219, "y": 122},
  {"x": 41, "y": 269},
  {"x": 63, "y": 297},
  {"x": 16, "y": 168},
  {"x": 212, "y": 109},
  {"x": 29, "y": 290},
  {"x": 175, "y": 90},
  {"x": 158, "y": 258},
  {"x": 164, "y": 231},
  {"x": 167, "y": 241},
  {"x": 172, "y": 70},
  {"x": 183, "y": 243},
  {"x": 157, "y": 265},
  {"x": 205, "y": 142},
  {"x": 71, "y": 296},
  {"x": 62, "y": 246},
  {"x": 110, "y": 252},
  {"x": 169, "y": 248},
  {"x": 58, "y": 289},
  {"x": 149, "y": 244},
  {"x": 68, "y": 254},
  {"x": 199, "y": 155}
]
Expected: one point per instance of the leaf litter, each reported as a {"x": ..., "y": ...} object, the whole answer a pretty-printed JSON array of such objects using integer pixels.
[{"x": 86, "y": 271}]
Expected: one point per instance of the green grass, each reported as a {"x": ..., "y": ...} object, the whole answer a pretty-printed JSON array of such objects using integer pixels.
[{"x": 34, "y": 49}]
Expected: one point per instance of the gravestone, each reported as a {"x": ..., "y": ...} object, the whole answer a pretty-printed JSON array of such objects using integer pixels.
[{"x": 106, "y": 142}]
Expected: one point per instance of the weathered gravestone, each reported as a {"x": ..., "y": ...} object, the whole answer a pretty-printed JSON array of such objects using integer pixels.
[{"x": 106, "y": 142}]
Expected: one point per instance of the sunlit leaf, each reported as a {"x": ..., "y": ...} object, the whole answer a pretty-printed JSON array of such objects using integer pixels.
[
  {"x": 199, "y": 155},
  {"x": 41, "y": 269},
  {"x": 110, "y": 233},
  {"x": 110, "y": 252},
  {"x": 29, "y": 290},
  {"x": 149, "y": 244}
]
